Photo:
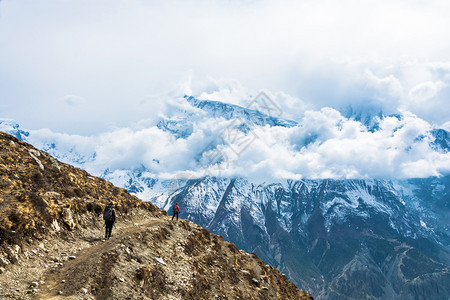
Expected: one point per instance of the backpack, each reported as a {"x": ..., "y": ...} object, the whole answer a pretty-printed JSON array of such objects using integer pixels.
[
  {"x": 174, "y": 209},
  {"x": 108, "y": 213}
]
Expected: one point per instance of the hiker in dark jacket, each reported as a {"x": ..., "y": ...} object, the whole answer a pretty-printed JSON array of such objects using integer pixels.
[
  {"x": 109, "y": 215},
  {"x": 176, "y": 210}
]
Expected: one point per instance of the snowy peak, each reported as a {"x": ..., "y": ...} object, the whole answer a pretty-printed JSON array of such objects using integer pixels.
[
  {"x": 369, "y": 117},
  {"x": 442, "y": 140},
  {"x": 182, "y": 125},
  {"x": 252, "y": 116}
]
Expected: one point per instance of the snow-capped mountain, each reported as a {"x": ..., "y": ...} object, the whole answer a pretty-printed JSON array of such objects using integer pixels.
[
  {"x": 342, "y": 239},
  {"x": 183, "y": 126},
  {"x": 252, "y": 116}
]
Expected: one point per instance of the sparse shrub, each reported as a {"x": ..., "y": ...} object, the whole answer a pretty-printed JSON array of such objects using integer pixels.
[
  {"x": 196, "y": 242},
  {"x": 200, "y": 288},
  {"x": 40, "y": 205},
  {"x": 233, "y": 248},
  {"x": 37, "y": 178},
  {"x": 162, "y": 234},
  {"x": 185, "y": 225},
  {"x": 217, "y": 247},
  {"x": 78, "y": 192},
  {"x": 205, "y": 234},
  {"x": 189, "y": 247},
  {"x": 209, "y": 260},
  {"x": 154, "y": 280}
]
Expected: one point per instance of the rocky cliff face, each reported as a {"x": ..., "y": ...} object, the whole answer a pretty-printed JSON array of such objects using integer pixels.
[
  {"x": 51, "y": 244},
  {"x": 353, "y": 239}
]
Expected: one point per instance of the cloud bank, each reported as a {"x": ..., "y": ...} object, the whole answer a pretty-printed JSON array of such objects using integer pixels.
[{"x": 324, "y": 144}]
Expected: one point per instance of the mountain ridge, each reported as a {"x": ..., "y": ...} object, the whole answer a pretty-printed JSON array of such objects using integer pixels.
[{"x": 331, "y": 230}]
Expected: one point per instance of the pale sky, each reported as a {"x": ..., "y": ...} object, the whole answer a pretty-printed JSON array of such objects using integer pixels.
[{"x": 85, "y": 67}]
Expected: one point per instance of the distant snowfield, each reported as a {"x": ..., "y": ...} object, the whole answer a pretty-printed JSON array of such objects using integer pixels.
[{"x": 196, "y": 138}]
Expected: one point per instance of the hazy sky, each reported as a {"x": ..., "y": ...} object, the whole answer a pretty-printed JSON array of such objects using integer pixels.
[{"x": 89, "y": 66}]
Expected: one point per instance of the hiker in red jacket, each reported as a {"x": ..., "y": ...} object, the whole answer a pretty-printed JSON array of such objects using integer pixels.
[{"x": 176, "y": 210}]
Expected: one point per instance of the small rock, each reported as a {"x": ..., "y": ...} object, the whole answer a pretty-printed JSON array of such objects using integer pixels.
[
  {"x": 265, "y": 288},
  {"x": 2, "y": 270},
  {"x": 72, "y": 257},
  {"x": 136, "y": 224},
  {"x": 68, "y": 219},
  {"x": 161, "y": 261},
  {"x": 3, "y": 262},
  {"x": 34, "y": 251},
  {"x": 60, "y": 293},
  {"x": 34, "y": 291},
  {"x": 245, "y": 272},
  {"x": 255, "y": 281},
  {"x": 63, "y": 281},
  {"x": 55, "y": 165},
  {"x": 53, "y": 194},
  {"x": 13, "y": 253},
  {"x": 34, "y": 154},
  {"x": 121, "y": 279},
  {"x": 84, "y": 290},
  {"x": 55, "y": 226},
  {"x": 34, "y": 284}
]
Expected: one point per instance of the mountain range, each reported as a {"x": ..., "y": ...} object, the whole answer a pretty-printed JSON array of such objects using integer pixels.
[{"x": 361, "y": 238}]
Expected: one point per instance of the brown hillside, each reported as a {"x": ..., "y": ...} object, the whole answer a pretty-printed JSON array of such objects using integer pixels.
[{"x": 51, "y": 244}]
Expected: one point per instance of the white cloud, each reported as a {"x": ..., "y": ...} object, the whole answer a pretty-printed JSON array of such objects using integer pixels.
[
  {"x": 325, "y": 145},
  {"x": 388, "y": 89},
  {"x": 421, "y": 93}
]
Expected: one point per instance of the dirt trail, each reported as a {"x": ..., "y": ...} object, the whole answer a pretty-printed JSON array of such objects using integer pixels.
[{"x": 76, "y": 272}]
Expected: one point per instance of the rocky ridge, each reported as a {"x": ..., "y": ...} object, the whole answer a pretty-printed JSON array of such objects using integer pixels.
[{"x": 51, "y": 244}]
